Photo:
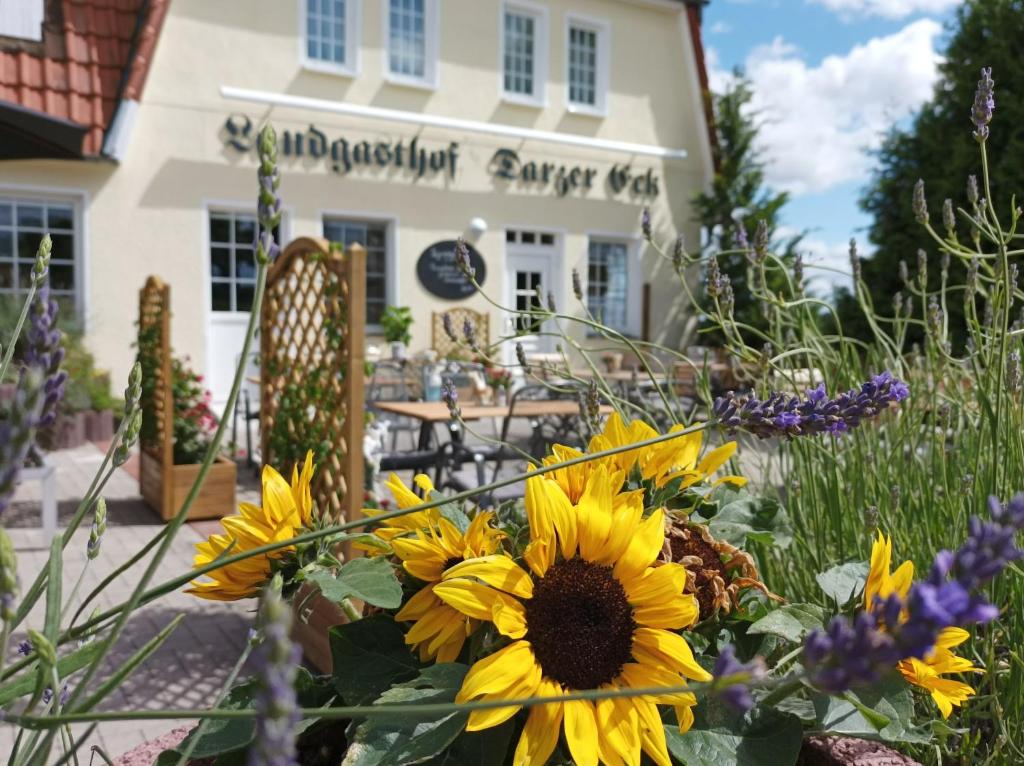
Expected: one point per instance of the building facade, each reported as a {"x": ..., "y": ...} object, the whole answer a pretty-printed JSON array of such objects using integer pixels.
[{"x": 536, "y": 129}]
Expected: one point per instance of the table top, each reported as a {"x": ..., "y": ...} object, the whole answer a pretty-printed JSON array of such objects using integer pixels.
[{"x": 437, "y": 412}]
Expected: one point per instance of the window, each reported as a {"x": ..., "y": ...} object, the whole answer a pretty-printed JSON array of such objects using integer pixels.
[
  {"x": 232, "y": 261},
  {"x": 411, "y": 28},
  {"x": 23, "y": 222},
  {"x": 587, "y": 65},
  {"x": 22, "y": 19},
  {"x": 331, "y": 40},
  {"x": 524, "y": 53},
  {"x": 373, "y": 237},
  {"x": 608, "y": 283}
]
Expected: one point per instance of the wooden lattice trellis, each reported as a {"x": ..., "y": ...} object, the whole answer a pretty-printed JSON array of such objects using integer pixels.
[
  {"x": 163, "y": 484},
  {"x": 312, "y": 354},
  {"x": 445, "y": 346}
]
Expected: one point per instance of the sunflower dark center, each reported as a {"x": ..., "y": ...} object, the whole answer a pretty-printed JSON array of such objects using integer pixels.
[
  {"x": 451, "y": 562},
  {"x": 703, "y": 576},
  {"x": 580, "y": 624}
]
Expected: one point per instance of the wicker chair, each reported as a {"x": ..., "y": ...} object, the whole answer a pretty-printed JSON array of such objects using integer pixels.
[{"x": 445, "y": 346}]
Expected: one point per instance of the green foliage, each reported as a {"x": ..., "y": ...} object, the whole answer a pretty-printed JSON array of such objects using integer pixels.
[
  {"x": 790, "y": 621},
  {"x": 194, "y": 421},
  {"x": 395, "y": 322},
  {"x": 298, "y": 426},
  {"x": 738, "y": 189},
  {"x": 937, "y": 147},
  {"x": 87, "y": 387},
  {"x": 369, "y": 579},
  {"x": 719, "y": 738},
  {"x": 744, "y": 518},
  {"x": 843, "y": 582},
  {"x": 369, "y": 656}
]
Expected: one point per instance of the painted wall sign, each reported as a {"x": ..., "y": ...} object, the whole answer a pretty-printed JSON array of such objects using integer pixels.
[
  {"x": 438, "y": 273},
  {"x": 343, "y": 155},
  {"x": 507, "y": 165}
]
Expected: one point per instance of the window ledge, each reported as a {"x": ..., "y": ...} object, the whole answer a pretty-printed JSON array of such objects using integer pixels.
[
  {"x": 520, "y": 100},
  {"x": 585, "y": 110},
  {"x": 407, "y": 81},
  {"x": 322, "y": 67}
]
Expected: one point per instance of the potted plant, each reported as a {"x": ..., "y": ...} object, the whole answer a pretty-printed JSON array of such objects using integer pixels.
[
  {"x": 500, "y": 381},
  {"x": 396, "y": 321}
]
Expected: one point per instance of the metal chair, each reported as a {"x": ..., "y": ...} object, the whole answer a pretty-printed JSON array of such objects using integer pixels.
[{"x": 388, "y": 383}]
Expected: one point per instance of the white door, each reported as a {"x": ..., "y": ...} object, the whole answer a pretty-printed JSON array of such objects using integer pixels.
[{"x": 531, "y": 272}]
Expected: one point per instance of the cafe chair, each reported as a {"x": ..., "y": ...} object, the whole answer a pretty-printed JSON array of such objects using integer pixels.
[{"x": 388, "y": 383}]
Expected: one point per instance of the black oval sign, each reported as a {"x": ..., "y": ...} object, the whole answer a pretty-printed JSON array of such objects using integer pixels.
[{"x": 441, "y": 277}]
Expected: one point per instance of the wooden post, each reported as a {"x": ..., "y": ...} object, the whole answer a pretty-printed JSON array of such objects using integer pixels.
[{"x": 355, "y": 375}]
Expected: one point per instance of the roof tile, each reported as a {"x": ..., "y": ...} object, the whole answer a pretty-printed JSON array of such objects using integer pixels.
[{"x": 78, "y": 71}]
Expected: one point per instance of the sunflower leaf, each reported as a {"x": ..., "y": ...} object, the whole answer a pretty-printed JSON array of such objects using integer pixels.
[
  {"x": 885, "y": 712},
  {"x": 369, "y": 656},
  {"x": 746, "y": 518},
  {"x": 841, "y": 583},
  {"x": 790, "y": 621},
  {"x": 371, "y": 580},
  {"x": 763, "y": 738}
]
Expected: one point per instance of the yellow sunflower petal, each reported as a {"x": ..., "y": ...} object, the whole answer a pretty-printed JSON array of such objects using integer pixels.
[
  {"x": 619, "y": 725},
  {"x": 581, "y": 731},
  {"x": 669, "y": 650},
  {"x": 498, "y": 571},
  {"x": 594, "y": 514},
  {"x": 643, "y": 547},
  {"x": 417, "y": 606},
  {"x": 950, "y": 637},
  {"x": 652, "y": 732},
  {"x": 716, "y": 458},
  {"x": 498, "y": 672},
  {"x": 540, "y": 735},
  {"x": 680, "y": 612},
  {"x": 656, "y": 585},
  {"x": 684, "y": 715}
]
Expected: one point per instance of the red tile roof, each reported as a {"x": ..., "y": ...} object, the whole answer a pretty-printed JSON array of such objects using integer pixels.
[{"x": 93, "y": 54}]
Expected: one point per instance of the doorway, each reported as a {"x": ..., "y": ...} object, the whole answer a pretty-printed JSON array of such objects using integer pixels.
[{"x": 532, "y": 271}]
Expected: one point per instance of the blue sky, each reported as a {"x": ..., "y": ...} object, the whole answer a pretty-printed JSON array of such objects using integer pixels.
[{"x": 829, "y": 77}]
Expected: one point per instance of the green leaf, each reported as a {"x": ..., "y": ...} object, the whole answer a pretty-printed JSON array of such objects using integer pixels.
[
  {"x": 885, "y": 712},
  {"x": 751, "y": 519},
  {"x": 480, "y": 748},
  {"x": 406, "y": 738},
  {"x": 790, "y": 621},
  {"x": 452, "y": 512},
  {"x": 51, "y": 626},
  {"x": 372, "y": 580},
  {"x": 66, "y": 665},
  {"x": 841, "y": 583},
  {"x": 770, "y": 739},
  {"x": 370, "y": 655}
]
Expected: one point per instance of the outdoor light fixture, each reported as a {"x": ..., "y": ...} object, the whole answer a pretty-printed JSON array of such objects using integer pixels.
[{"x": 477, "y": 226}]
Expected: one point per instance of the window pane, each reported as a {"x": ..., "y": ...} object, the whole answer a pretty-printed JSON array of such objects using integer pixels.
[
  {"x": 30, "y": 215},
  {"x": 220, "y": 229},
  {"x": 220, "y": 262},
  {"x": 6, "y": 245},
  {"x": 325, "y": 30},
  {"x": 407, "y": 37},
  {"x": 63, "y": 248},
  {"x": 374, "y": 237},
  {"x": 62, "y": 277},
  {"x": 60, "y": 217},
  {"x": 6, "y": 214},
  {"x": 220, "y": 294},
  {"x": 607, "y": 283},
  {"x": 582, "y": 66},
  {"x": 245, "y": 264},
  {"x": 244, "y": 292},
  {"x": 245, "y": 230},
  {"x": 519, "y": 53},
  {"x": 6, "y": 275}
]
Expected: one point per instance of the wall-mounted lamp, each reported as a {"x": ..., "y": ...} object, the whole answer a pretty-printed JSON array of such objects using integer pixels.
[{"x": 477, "y": 226}]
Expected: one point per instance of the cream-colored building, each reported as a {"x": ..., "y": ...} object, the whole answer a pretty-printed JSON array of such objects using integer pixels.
[{"x": 536, "y": 129}]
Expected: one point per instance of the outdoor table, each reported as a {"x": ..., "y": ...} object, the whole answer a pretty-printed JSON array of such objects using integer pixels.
[{"x": 431, "y": 413}]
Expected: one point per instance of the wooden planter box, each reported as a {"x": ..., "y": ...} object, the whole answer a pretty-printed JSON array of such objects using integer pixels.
[{"x": 165, "y": 488}]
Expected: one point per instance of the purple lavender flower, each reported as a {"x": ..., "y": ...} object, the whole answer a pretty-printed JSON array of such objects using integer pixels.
[
  {"x": 44, "y": 352},
  {"x": 920, "y": 205},
  {"x": 450, "y": 396},
  {"x": 577, "y": 285},
  {"x": 449, "y": 327},
  {"x": 849, "y": 653},
  {"x": 24, "y": 648},
  {"x": 18, "y": 431},
  {"x": 462, "y": 259},
  {"x": 984, "y": 104},
  {"x": 788, "y": 415},
  {"x": 276, "y": 704},
  {"x": 645, "y": 223},
  {"x": 469, "y": 332},
  {"x": 736, "y": 693}
]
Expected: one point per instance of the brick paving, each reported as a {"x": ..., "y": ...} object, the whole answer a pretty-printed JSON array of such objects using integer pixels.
[{"x": 190, "y": 667}]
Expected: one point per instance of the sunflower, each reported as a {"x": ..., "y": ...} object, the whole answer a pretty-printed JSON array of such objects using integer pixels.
[
  {"x": 660, "y": 463},
  {"x": 404, "y": 498},
  {"x": 439, "y": 631},
  {"x": 592, "y": 612},
  {"x": 286, "y": 510},
  {"x": 927, "y": 673}
]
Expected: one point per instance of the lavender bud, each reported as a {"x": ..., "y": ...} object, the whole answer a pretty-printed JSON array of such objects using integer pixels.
[
  {"x": 449, "y": 329},
  {"x": 8, "y": 576},
  {"x": 99, "y": 526},
  {"x": 17, "y": 432},
  {"x": 276, "y": 704},
  {"x": 268, "y": 205},
  {"x": 949, "y": 219},
  {"x": 24, "y": 648},
  {"x": 469, "y": 332},
  {"x": 922, "y": 268},
  {"x": 521, "y": 358},
  {"x": 450, "y": 396},
  {"x": 551, "y": 303},
  {"x": 43, "y": 648},
  {"x": 727, "y": 300},
  {"x": 714, "y": 278},
  {"x": 134, "y": 389},
  {"x": 904, "y": 272},
  {"x": 870, "y": 519},
  {"x": 798, "y": 272},
  {"x": 739, "y": 237},
  {"x": 577, "y": 285},
  {"x": 972, "y": 278},
  {"x": 984, "y": 104},
  {"x": 988, "y": 317},
  {"x": 128, "y": 438},
  {"x": 972, "y": 190},
  {"x": 41, "y": 268},
  {"x": 645, "y": 223},
  {"x": 44, "y": 352},
  {"x": 894, "y": 497},
  {"x": 760, "y": 251},
  {"x": 731, "y": 679},
  {"x": 462, "y": 259},
  {"x": 679, "y": 255},
  {"x": 944, "y": 263},
  {"x": 897, "y": 304},
  {"x": 967, "y": 484},
  {"x": 935, "y": 317},
  {"x": 920, "y": 206},
  {"x": 855, "y": 265}
]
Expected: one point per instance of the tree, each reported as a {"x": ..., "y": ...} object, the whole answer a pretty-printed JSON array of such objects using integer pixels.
[
  {"x": 739, "y": 197},
  {"x": 938, "y": 148}
]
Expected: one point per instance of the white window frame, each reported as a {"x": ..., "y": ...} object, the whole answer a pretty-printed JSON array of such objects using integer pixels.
[
  {"x": 541, "y": 52},
  {"x": 22, "y": 20},
  {"x": 603, "y": 32},
  {"x": 634, "y": 277},
  {"x": 78, "y": 200},
  {"x": 353, "y": 24},
  {"x": 431, "y": 47},
  {"x": 391, "y": 270}
]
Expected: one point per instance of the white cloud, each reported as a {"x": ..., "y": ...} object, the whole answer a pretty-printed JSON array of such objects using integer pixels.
[
  {"x": 889, "y": 9},
  {"x": 719, "y": 28},
  {"x": 818, "y": 122}
]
